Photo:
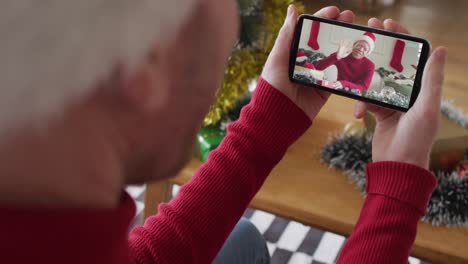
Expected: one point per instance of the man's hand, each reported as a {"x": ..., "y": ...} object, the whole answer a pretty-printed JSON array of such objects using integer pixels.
[
  {"x": 344, "y": 49},
  {"x": 275, "y": 71},
  {"x": 408, "y": 137}
]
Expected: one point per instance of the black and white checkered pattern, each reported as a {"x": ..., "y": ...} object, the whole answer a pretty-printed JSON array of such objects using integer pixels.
[{"x": 289, "y": 242}]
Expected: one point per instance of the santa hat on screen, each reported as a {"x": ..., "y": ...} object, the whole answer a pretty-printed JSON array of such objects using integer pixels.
[{"x": 370, "y": 39}]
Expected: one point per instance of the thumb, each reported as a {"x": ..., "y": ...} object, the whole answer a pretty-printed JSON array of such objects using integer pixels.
[
  {"x": 431, "y": 88},
  {"x": 380, "y": 113},
  {"x": 286, "y": 33}
]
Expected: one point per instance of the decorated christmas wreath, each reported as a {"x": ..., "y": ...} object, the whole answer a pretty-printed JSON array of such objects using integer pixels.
[{"x": 351, "y": 150}]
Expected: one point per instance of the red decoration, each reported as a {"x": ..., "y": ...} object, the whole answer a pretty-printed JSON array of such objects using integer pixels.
[
  {"x": 327, "y": 84},
  {"x": 448, "y": 162},
  {"x": 398, "y": 55},
  {"x": 309, "y": 66},
  {"x": 313, "y": 38},
  {"x": 462, "y": 169},
  {"x": 301, "y": 57}
]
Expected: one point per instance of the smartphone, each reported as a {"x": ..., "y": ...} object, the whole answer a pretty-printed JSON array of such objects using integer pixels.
[{"x": 363, "y": 63}]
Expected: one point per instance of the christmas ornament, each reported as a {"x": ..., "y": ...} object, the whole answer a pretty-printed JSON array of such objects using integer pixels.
[
  {"x": 208, "y": 138},
  {"x": 462, "y": 169},
  {"x": 398, "y": 55},
  {"x": 313, "y": 37},
  {"x": 351, "y": 150},
  {"x": 248, "y": 57}
]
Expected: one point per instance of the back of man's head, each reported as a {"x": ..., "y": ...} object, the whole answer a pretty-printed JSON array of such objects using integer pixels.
[{"x": 55, "y": 51}]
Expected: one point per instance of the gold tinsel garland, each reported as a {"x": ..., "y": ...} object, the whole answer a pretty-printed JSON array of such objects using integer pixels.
[{"x": 245, "y": 64}]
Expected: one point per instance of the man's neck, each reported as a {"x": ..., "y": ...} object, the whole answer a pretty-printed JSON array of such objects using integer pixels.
[{"x": 69, "y": 165}]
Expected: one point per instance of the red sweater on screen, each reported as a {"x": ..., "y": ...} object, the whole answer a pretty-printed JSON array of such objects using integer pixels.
[
  {"x": 194, "y": 225},
  {"x": 352, "y": 73}
]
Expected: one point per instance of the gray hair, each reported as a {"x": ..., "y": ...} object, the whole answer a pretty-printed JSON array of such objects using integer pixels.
[{"x": 53, "y": 52}]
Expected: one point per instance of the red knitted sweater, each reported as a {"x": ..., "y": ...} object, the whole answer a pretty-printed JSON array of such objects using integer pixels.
[
  {"x": 193, "y": 226},
  {"x": 352, "y": 73}
]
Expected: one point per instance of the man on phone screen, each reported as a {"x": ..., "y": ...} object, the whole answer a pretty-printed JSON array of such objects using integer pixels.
[{"x": 355, "y": 70}]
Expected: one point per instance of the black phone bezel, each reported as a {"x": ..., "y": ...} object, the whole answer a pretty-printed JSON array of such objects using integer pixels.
[{"x": 421, "y": 64}]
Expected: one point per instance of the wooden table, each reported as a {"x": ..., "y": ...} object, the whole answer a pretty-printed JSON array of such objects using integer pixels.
[{"x": 304, "y": 189}]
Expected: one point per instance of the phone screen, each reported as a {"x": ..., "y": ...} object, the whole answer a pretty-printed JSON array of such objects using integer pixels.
[{"x": 367, "y": 64}]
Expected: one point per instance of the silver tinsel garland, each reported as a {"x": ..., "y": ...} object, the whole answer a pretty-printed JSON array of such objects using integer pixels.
[
  {"x": 456, "y": 114},
  {"x": 448, "y": 204}
]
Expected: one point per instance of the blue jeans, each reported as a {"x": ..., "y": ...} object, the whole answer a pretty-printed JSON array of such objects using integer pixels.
[{"x": 245, "y": 245}]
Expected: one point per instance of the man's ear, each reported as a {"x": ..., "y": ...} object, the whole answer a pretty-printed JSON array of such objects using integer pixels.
[{"x": 146, "y": 88}]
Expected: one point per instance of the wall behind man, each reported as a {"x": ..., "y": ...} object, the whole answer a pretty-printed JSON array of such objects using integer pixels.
[{"x": 330, "y": 35}]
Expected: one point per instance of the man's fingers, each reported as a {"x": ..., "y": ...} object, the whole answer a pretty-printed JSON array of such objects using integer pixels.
[
  {"x": 380, "y": 113},
  {"x": 433, "y": 78},
  {"x": 286, "y": 33},
  {"x": 375, "y": 23},
  {"x": 392, "y": 25},
  {"x": 360, "y": 109},
  {"x": 346, "y": 16},
  {"x": 388, "y": 24},
  {"x": 330, "y": 12}
]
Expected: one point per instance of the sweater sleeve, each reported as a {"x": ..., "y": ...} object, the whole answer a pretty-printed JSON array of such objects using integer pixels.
[
  {"x": 194, "y": 225},
  {"x": 398, "y": 194},
  {"x": 364, "y": 82},
  {"x": 326, "y": 62}
]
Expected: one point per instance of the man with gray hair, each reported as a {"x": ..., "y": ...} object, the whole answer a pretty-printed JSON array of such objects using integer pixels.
[
  {"x": 98, "y": 94},
  {"x": 355, "y": 70}
]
